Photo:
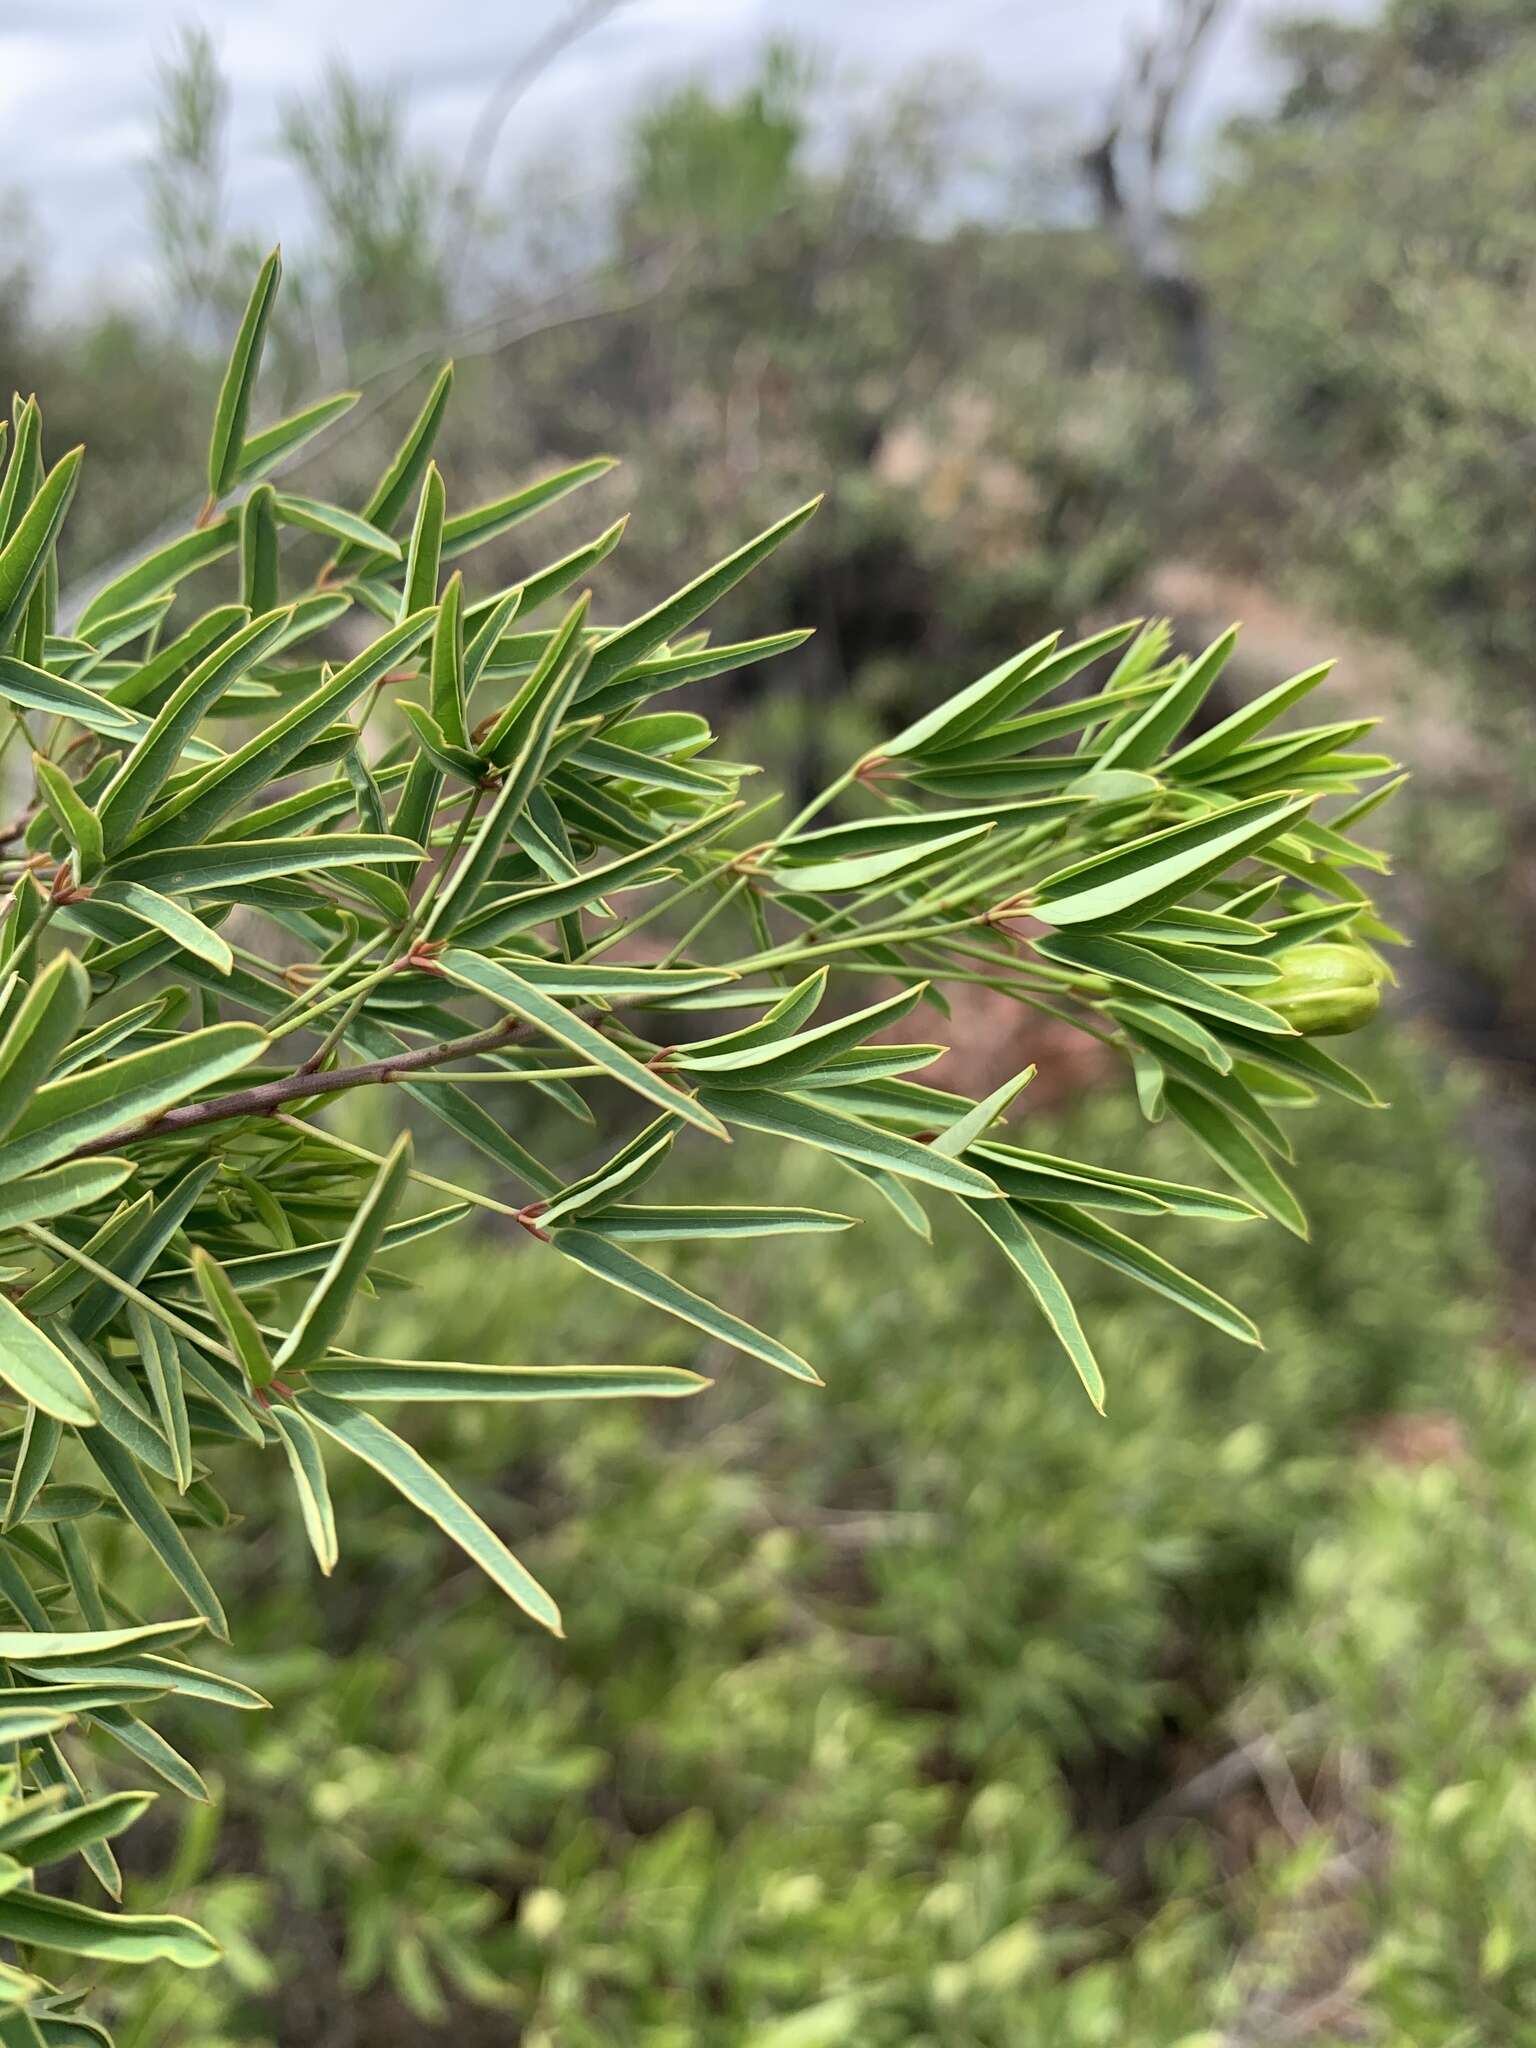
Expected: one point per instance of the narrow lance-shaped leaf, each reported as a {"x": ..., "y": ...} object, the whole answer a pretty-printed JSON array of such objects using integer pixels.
[
  {"x": 34, "y": 689},
  {"x": 164, "y": 914},
  {"x": 161, "y": 1359},
  {"x": 481, "y": 523},
  {"x": 524, "y": 1001},
  {"x": 405, "y": 1379},
  {"x": 318, "y": 517},
  {"x": 394, "y": 489},
  {"x": 137, "y": 1254},
  {"x": 25, "y": 555},
  {"x": 150, "y": 763},
  {"x": 227, "y": 445},
  {"x": 60, "y": 1190},
  {"x": 308, "y": 1468},
  {"x": 125, "y": 1476},
  {"x": 827, "y": 1130},
  {"x": 36, "y": 1920},
  {"x": 1003, "y": 1223},
  {"x": 48, "y": 1019},
  {"x": 80, "y": 824},
  {"x": 41, "y": 1435},
  {"x": 1133, "y": 881},
  {"x": 633, "y": 642},
  {"x": 328, "y": 1304},
  {"x": 448, "y": 683},
  {"x": 424, "y": 556},
  {"x": 191, "y": 814},
  {"x": 367, "y": 1438},
  {"x": 32, "y": 1364},
  {"x": 162, "y": 570},
  {"x": 259, "y": 568},
  {"x": 265, "y": 451},
  {"x": 622, "y": 1269},
  {"x": 237, "y": 1325}
]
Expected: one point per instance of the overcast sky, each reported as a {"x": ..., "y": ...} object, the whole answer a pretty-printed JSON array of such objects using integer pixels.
[{"x": 77, "y": 83}]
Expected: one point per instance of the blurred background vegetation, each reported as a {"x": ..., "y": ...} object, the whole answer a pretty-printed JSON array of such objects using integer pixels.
[{"x": 930, "y": 1711}]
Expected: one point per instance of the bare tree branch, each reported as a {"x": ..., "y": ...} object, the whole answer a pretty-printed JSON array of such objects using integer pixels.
[
  {"x": 1126, "y": 168},
  {"x": 469, "y": 189}
]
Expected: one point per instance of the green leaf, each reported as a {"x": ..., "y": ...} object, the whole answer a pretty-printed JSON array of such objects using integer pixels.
[
  {"x": 1042, "y": 1177},
  {"x": 1236, "y": 1153},
  {"x": 144, "y": 1508},
  {"x": 394, "y": 489},
  {"x": 308, "y": 1468},
  {"x": 265, "y": 451},
  {"x": 533, "y": 1006},
  {"x": 1213, "y": 747},
  {"x": 135, "y": 1253},
  {"x": 828, "y": 1130},
  {"x": 124, "y": 1414},
  {"x": 330, "y": 1301},
  {"x": 78, "y": 822},
  {"x": 643, "y": 679},
  {"x": 501, "y": 920},
  {"x": 163, "y": 914},
  {"x": 1003, "y": 1223},
  {"x": 161, "y": 1359},
  {"x": 227, "y": 446},
  {"x": 472, "y": 529},
  {"x": 48, "y": 1836},
  {"x": 192, "y": 813},
  {"x": 88, "y": 1646},
  {"x": 1140, "y": 967},
  {"x": 70, "y": 1113},
  {"x": 151, "y": 1748},
  {"x": 226, "y": 864},
  {"x": 448, "y": 683},
  {"x": 404, "y": 1379},
  {"x": 35, "y": 690},
  {"x": 1147, "y": 738},
  {"x": 964, "y": 1131},
  {"x": 317, "y": 517},
  {"x": 1303, "y": 1060},
  {"x": 631, "y": 1166},
  {"x": 634, "y": 642},
  {"x": 34, "y": 1919},
  {"x": 575, "y": 981},
  {"x": 622, "y": 1269},
  {"x": 858, "y": 871},
  {"x": 424, "y": 556},
  {"x": 1134, "y": 1260},
  {"x": 640, "y": 1225},
  {"x": 33, "y": 1365},
  {"x": 149, "y": 764},
  {"x": 41, "y": 1436},
  {"x": 547, "y": 698},
  {"x": 367, "y": 1438},
  {"x": 238, "y": 1327},
  {"x": 772, "y": 1064},
  {"x": 969, "y": 707},
  {"x": 25, "y": 555},
  {"x": 1132, "y": 882},
  {"x": 164, "y": 569},
  {"x": 271, "y": 1269},
  {"x": 48, "y": 1019}
]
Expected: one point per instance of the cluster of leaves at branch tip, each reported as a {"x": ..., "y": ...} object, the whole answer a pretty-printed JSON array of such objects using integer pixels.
[{"x": 216, "y": 789}]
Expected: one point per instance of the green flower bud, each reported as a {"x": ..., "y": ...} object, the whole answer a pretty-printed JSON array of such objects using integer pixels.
[{"x": 1327, "y": 989}]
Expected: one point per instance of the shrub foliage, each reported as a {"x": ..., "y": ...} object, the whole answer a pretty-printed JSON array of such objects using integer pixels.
[{"x": 245, "y": 885}]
